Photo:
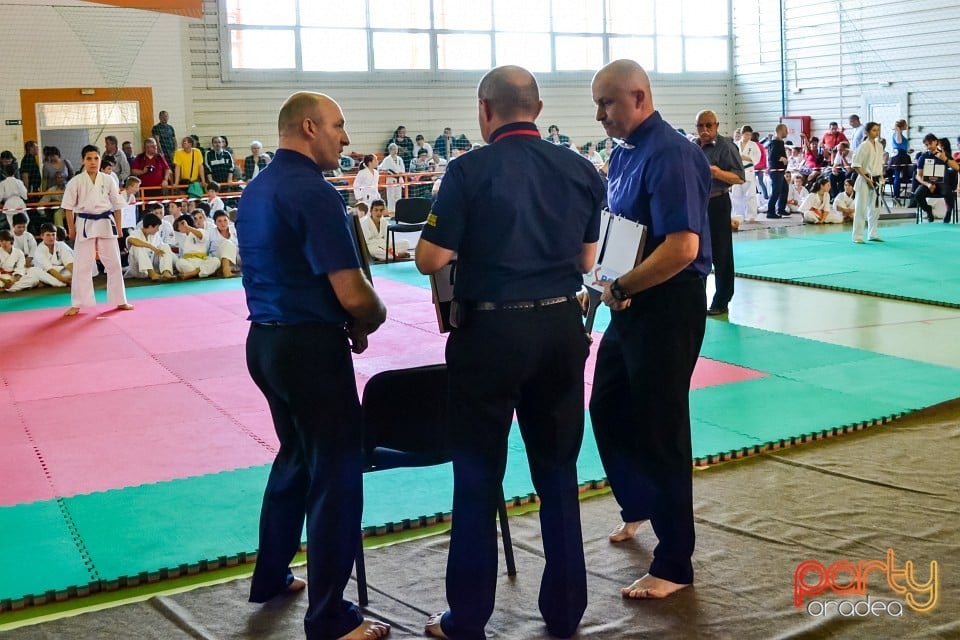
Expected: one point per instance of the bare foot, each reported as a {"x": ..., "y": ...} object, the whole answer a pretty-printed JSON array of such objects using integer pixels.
[
  {"x": 153, "y": 275},
  {"x": 297, "y": 584},
  {"x": 72, "y": 311},
  {"x": 368, "y": 629},
  {"x": 433, "y": 628},
  {"x": 651, "y": 588},
  {"x": 125, "y": 307},
  {"x": 168, "y": 276},
  {"x": 625, "y": 531}
]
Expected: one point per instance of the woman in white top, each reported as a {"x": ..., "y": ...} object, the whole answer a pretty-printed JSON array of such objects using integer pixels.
[
  {"x": 93, "y": 197},
  {"x": 590, "y": 153},
  {"x": 365, "y": 187},
  {"x": 374, "y": 226},
  {"x": 816, "y": 206},
  {"x": 393, "y": 166}
]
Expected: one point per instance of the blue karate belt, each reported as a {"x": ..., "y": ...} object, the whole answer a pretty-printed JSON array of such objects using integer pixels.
[{"x": 98, "y": 216}]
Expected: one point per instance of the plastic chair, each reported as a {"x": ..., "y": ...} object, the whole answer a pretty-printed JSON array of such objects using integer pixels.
[
  {"x": 398, "y": 432},
  {"x": 410, "y": 216}
]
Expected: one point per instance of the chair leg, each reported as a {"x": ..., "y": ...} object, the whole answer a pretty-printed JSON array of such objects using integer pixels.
[
  {"x": 362, "y": 596},
  {"x": 505, "y": 532}
]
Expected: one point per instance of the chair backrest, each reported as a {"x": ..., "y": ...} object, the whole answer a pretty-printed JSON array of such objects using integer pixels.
[
  {"x": 412, "y": 210},
  {"x": 406, "y": 410}
]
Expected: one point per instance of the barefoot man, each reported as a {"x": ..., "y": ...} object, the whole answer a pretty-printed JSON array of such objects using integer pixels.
[
  {"x": 641, "y": 385},
  {"x": 92, "y": 202}
]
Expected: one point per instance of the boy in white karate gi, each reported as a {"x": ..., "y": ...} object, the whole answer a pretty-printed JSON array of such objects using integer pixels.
[
  {"x": 148, "y": 256},
  {"x": 23, "y": 240},
  {"x": 14, "y": 275},
  {"x": 93, "y": 206},
  {"x": 53, "y": 259},
  {"x": 194, "y": 260},
  {"x": 224, "y": 245}
]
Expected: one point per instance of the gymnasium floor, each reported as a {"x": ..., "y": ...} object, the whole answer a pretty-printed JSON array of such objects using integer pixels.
[{"x": 774, "y": 348}]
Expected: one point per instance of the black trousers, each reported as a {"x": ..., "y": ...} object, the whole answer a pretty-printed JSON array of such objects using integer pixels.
[
  {"x": 641, "y": 415},
  {"x": 531, "y": 362},
  {"x": 306, "y": 374},
  {"x": 721, "y": 244},
  {"x": 778, "y": 194},
  {"x": 921, "y": 193}
]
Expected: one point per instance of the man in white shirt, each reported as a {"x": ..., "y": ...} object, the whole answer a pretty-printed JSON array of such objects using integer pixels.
[
  {"x": 93, "y": 206},
  {"x": 868, "y": 163},
  {"x": 53, "y": 259}
]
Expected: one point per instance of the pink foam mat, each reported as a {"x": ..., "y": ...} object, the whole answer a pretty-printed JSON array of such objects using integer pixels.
[{"x": 120, "y": 399}]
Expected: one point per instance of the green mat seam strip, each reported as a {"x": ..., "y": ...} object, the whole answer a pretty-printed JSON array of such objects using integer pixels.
[{"x": 830, "y": 287}]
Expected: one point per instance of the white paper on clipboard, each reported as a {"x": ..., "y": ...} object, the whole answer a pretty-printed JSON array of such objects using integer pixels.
[{"x": 619, "y": 250}]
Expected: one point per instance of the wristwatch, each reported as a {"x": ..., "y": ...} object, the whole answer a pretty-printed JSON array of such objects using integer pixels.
[{"x": 617, "y": 291}]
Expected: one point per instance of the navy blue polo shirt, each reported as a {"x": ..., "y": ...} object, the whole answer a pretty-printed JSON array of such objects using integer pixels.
[
  {"x": 293, "y": 230},
  {"x": 518, "y": 212},
  {"x": 662, "y": 180}
]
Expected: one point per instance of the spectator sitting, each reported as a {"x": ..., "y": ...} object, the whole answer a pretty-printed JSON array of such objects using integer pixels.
[
  {"x": 422, "y": 163},
  {"x": 219, "y": 161},
  {"x": 422, "y": 144},
  {"x": 374, "y": 227},
  {"x": 224, "y": 244},
  {"x": 590, "y": 153},
  {"x": 366, "y": 185},
  {"x": 816, "y": 206},
  {"x": 213, "y": 197},
  {"x": 151, "y": 167},
  {"x": 121, "y": 166},
  {"x": 439, "y": 162},
  {"x": 843, "y": 204},
  {"x": 54, "y": 195},
  {"x": 797, "y": 193},
  {"x": 444, "y": 144},
  {"x": 53, "y": 258},
  {"x": 23, "y": 240},
  {"x": 833, "y": 137},
  {"x": 404, "y": 144},
  {"x": 13, "y": 193},
  {"x": 194, "y": 261},
  {"x": 554, "y": 136},
  {"x": 188, "y": 164},
  {"x": 147, "y": 253},
  {"x": 14, "y": 274},
  {"x": 52, "y": 165},
  {"x": 256, "y": 162},
  {"x": 607, "y": 149},
  {"x": 7, "y": 159}
]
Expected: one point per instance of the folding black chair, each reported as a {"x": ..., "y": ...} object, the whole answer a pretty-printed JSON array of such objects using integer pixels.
[
  {"x": 410, "y": 216},
  {"x": 400, "y": 429}
]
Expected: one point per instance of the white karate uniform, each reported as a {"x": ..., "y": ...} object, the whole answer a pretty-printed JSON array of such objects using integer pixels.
[
  {"x": 869, "y": 157},
  {"x": 25, "y": 242},
  {"x": 225, "y": 247},
  {"x": 365, "y": 187},
  {"x": 216, "y": 204},
  {"x": 140, "y": 259},
  {"x": 94, "y": 237},
  {"x": 845, "y": 201},
  {"x": 797, "y": 196},
  {"x": 193, "y": 255},
  {"x": 816, "y": 201},
  {"x": 45, "y": 260},
  {"x": 13, "y": 195},
  {"x": 394, "y": 190},
  {"x": 744, "y": 196},
  {"x": 14, "y": 264},
  {"x": 376, "y": 238}
]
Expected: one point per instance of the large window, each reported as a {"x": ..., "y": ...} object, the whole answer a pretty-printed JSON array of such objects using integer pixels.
[{"x": 348, "y": 36}]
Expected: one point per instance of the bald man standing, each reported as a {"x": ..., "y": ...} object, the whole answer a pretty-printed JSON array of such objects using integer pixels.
[
  {"x": 310, "y": 304},
  {"x": 641, "y": 386},
  {"x": 523, "y": 216}
]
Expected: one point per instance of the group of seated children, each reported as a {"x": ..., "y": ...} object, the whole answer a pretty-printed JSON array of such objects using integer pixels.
[
  {"x": 184, "y": 241},
  {"x": 814, "y": 204}
]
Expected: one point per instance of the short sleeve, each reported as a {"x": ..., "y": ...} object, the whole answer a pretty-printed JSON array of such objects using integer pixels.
[
  {"x": 327, "y": 229},
  {"x": 678, "y": 192},
  {"x": 447, "y": 218}
]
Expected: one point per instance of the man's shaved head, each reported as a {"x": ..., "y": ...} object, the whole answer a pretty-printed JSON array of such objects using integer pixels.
[
  {"x": 621, "y": 91},
  {"x": 511, "y": 93},
  {"x": 297, "y": 108},
  {"x": 313, "y": 124}
]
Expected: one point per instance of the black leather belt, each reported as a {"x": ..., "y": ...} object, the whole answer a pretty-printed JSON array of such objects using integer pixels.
[{"x": 518, "y": 304}]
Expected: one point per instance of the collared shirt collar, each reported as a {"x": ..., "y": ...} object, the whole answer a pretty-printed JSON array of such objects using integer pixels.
[
  {"x": 515, "y": 129},
  {"x": 289, "y": 155},
  {"x": 635, "y": 138}
]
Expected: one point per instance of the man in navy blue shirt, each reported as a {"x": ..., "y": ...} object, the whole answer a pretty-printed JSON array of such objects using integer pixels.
[
  {"x": 309, "y": 305},
  {"x": 640, "y": 401},
  {"x": 523, "y": 217}
]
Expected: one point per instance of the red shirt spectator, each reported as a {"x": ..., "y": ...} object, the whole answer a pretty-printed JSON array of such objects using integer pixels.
[
  {"x": 150, "y": 166},
  {"x": 833, "y": 137}
]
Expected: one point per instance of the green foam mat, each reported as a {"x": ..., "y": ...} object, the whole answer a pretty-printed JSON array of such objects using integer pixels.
[
  {"x": 40, "y": 556},
  {"x": 909, "y": 265}
]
